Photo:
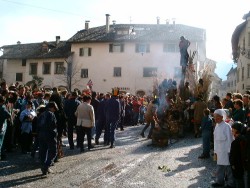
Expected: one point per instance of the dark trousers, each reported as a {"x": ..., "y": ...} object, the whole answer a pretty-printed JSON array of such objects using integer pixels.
[
  {"x": 71, "y": 125},
  {"x": 111, "y": 127},
  {"x": 47, "y": 148},
  {"x": 99, "y": 127},
  {"x": 26, "y": 142},
  {"x": 135, "y": 118},
  {"x": 81, "y": 131},
  {"x": 7, "y": 142},
  {"x": 206, "y": 135},
  {"x": 152, "y": 125}
]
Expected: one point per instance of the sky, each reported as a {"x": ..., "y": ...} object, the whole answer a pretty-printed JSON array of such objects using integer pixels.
[{"x": 30, "y": 21}]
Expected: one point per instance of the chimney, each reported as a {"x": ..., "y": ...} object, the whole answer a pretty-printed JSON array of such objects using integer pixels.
[
  {"x": 167, "y": 21},
  {"x": 57, "y": 40},
  {"x": 18, "y": 42},
  {"x": 158, "y": 20},
  {"x": 87, "y": 25},
  {"x": 107, "y": 23},
  {"x": 173, "y": 21},
  {"x": 114, "y": 22}
]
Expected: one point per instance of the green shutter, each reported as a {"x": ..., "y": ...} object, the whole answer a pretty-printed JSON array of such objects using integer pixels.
[
  {"x": 89, "y": 51},
  {"x": 110, "y": 47}
]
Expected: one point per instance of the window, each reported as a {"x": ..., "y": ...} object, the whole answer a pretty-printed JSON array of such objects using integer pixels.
[
  {"x": 238, "y": 75},
  {"x": 84, "y": 73},
  {"x": 116, "y": 47},
  {"x": 248, "y": 39},
  {"x": 33, "y": 69},
  {"x": 243, "y": 87},
  {"x": 142, "y": 48},
  {"x": 242, "y": 75},
  {"x": 59, "y": 68},
  {"x": 170, "y": 48},
  {"x": 85, "y": 52},
  {"x": 117, "y": 71},
  {"x": 228, "y": 84},
  {"x": 149, "y": 71},
  {"x": 46, "y": 67},
  {"x": 19, "y": 77},
  {"x": 23, "y": 62}
]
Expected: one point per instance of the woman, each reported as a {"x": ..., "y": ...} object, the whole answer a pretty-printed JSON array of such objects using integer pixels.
[{"x": 85, "y": 122}]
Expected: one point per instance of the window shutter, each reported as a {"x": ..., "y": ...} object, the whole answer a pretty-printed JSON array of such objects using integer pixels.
[
  {"x": 137, "y": 48},
  {"x": 110, "y": 47},
  {"x": 89, "y": 52},
  {"x": 147, "y": 48},
  {"x": 122, "y": 47}
]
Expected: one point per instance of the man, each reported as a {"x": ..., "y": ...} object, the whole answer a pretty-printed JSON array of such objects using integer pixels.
[
  {"x": 70, "y": 107},
  {"x": 47, "y": 135},
  {"x": 85, "y": 122},
  {"x": 239, "y": 112},
  {"x": 150, "y": 118},
  {"x": 183, "y": 45},
  {"x": 95, "y": 103},
  {"x": 222, "y": 143},
  {"x": 101, "y": 119},
  {"x": 229, "y": 103},
  {"x": 4, "y": 115},
  {"x": 199, "y": 107},
  {"x": 112, "y": 112}
]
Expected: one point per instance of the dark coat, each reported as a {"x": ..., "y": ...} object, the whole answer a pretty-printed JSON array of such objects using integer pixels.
[{"x": 236, "y": 156}]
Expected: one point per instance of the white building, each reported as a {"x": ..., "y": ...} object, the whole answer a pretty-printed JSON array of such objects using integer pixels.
[
  {"x": 128, "y": 56},
  {"x": 241, "y": 54}
]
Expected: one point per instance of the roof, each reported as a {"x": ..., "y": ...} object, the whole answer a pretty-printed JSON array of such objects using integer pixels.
[
  {"x": 232, "y": 70},
  {"x": 34, "y": 51},
  {"x": 143, "y": 32}
]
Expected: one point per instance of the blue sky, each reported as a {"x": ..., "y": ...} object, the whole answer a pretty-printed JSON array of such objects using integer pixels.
[{"x": 38, "y": 20}]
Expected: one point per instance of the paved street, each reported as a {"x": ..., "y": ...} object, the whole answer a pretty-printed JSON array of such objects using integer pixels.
[{"x": 132, "y": 163}]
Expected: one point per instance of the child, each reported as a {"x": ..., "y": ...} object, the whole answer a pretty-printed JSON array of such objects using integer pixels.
[
  {"x": 229, "y": 119},
  {"x": 206, "y": 128},
  {"x": 235, "y": 156},
  {"x": 142, "y": 111}
]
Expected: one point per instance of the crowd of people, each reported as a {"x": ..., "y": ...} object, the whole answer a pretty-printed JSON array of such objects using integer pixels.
[{"x": 38, "y": 119}]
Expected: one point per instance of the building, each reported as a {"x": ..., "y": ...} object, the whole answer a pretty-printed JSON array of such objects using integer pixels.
[
  {"x": 45, "y": 59},
  {"x": 241, "y": 53},
  {"x": 128, "y": 56},
  {"x": 231, "y": 80}
]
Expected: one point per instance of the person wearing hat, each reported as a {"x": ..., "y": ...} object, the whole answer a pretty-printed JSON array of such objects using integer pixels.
[
  {"x": 222, "y": 142},
  {"x": 47, "y": 135},
  {"x": 26, "y": 118},
  {"x": 236, "y": 154}
]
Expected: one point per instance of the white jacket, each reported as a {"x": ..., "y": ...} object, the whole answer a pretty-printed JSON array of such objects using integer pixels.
[
  {"x": 85, "y": 115},
  {"x": 223, "y": 138}
]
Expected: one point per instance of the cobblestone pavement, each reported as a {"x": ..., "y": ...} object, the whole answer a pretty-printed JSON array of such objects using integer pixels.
[{"x": 132, "y": 163}]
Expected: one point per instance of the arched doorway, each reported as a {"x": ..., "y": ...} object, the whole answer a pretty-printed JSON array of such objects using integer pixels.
[{"x": 140, "y": 93}]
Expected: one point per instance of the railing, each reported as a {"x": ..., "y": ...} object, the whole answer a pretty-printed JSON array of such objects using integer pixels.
[{"x": 2, "y": 134}]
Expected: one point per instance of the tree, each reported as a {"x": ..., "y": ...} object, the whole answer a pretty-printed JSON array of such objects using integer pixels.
[
  {"x": 70, "y": 74},
  {"x": 36, "y": 82}
]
